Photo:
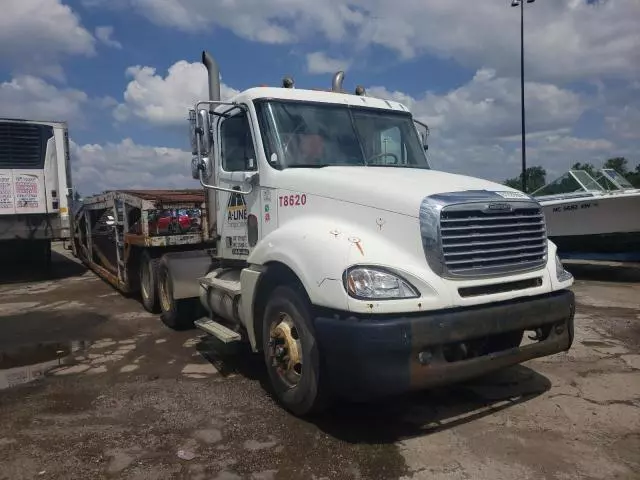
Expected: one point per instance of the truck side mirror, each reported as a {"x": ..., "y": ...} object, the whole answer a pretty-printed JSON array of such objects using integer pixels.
[
  {"x": 203, "y": 164},
  {"x": 203, "y": 133}
]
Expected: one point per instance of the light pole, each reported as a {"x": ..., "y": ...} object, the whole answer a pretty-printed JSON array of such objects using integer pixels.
[{"x": 520, "y": 3}]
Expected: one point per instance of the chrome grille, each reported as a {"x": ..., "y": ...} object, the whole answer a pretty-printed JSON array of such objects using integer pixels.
[{"x": 488, "y": 238}]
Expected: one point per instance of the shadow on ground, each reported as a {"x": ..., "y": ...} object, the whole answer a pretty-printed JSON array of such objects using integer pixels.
[
  {"x": 423, "y": 413},
  {"x": 18, "y": 269},
  {"x": 621, "y": 273},
  {"x": 233, "y": 358},
  {"x": 391, "y": 419}
]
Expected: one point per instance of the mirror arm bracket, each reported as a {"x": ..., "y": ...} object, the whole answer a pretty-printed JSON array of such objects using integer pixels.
[
  {"x": 222, "y": 189},
  {"x": 425, "y": 145}
]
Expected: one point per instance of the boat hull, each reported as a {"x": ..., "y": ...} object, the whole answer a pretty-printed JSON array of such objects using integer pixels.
[
  {"x": 611, "y": 243},
  {"x": 599, "y": 224}
]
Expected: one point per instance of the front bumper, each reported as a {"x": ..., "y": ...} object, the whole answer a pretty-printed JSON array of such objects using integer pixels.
[{"x": 366, "y": 357}]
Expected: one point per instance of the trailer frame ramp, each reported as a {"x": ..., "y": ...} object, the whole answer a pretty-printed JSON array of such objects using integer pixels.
[{"x": 111, "y": 230}]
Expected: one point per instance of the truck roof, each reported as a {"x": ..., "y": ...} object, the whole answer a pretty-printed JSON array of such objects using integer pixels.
[
  {"x": 53, "y": 123},
  {"x": 319, "y": 96}
]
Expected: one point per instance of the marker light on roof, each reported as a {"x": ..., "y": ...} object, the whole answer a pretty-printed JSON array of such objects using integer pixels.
[{"x": 287, "y": 82}]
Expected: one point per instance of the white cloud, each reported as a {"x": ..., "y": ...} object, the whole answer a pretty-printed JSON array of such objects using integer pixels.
[
  {"x": 475, "y": 129},
  {"x": 565, "y": 40},
  {"x": 625, "y": 122},
  {"x": 105, "y": 35},
  {"x": 30, "y": 97},
  {"x": 319, "y": 62},
  {"x": 621, "y": 107},
  {"x": 569, "y": 144},
  {"x": 165, "y": 101},
  {"x": 243, "y": 18},
  {"x": 497, "y": 160},
  {"x": 488, "y": 107},
  {"x": 36, "y": 34},
  {"x": 97, "y": 168}
]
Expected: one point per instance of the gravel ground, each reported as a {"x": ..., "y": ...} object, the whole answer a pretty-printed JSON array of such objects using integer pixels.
[{"x": 137, "y": 400}]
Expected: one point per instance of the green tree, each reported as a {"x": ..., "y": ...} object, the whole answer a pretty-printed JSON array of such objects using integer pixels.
[
  {"x": 619, "y": 164},
  {"x": 587, "y": 167},
  {"x": 536, "y": 178},
  {"x": 634, "y": 177},
  {"x": 514, "y": 182}
]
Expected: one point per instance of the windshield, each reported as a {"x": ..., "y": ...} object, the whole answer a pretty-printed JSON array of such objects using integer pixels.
[
  {"x": 616, "y": 178},
  {"x": 587, "y": 181},
  {"x": 574, "y": 181},
  {"x": 305, "y": 134}
]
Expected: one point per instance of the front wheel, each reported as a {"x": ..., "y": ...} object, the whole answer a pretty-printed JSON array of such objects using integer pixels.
[{"x": 291, "y": 352}]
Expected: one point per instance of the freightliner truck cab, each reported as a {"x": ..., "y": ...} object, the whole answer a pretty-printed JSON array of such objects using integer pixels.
[{"x": 351, "y": 265}]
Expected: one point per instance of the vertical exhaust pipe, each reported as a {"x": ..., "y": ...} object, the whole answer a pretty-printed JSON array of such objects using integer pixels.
[
  {"x": 213, "y": 74},
  {"x": 211, "y": 197},
  {"x": 336, "y": 85}
]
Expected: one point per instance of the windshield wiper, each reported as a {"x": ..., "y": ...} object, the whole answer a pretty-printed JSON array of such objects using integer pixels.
[
  {"x": 310, "y": 165},
  {"x": 393, "y": 165}
]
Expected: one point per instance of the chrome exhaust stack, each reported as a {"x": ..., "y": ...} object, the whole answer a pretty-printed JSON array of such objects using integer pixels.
[
  {"x": 211, "y": 197},
  {"x": 336, "y": 84},
  {"x": 213, "y": 73}
]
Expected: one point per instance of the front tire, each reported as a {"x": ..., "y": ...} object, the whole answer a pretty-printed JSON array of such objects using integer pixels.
[
  {"x": 177, "y": 314},
  {"x": 291, "y": 352}
]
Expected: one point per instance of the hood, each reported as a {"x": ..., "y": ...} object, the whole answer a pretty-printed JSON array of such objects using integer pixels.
[{"x": 399, "y": 190}]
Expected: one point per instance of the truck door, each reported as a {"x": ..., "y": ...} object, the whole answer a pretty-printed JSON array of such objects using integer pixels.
[{"x": 237, "y": 164}]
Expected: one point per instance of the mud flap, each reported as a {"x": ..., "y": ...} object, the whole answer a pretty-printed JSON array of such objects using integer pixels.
[{"x": 185, "y": 268}]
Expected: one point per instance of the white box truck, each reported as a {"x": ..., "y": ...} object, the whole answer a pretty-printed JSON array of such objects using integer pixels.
[
  {"x": 35, "y": 186},
  {"x": 355, "y": 268}
]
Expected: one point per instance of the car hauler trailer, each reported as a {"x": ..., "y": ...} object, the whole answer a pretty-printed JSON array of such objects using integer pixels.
[
  {"x": 35, "y": 186},
  {"x": 355, "y": 268},
  {"x": 121, "y": 234}
]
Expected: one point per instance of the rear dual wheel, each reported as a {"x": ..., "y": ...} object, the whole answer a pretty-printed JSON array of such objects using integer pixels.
[
  {"x": 291, "y": 352},
  {"x": 149, "y": 282},
  {"x": 177, "y": 314}
]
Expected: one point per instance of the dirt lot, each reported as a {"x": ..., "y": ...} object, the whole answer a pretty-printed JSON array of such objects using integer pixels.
[{"x": 138, "y": 400}]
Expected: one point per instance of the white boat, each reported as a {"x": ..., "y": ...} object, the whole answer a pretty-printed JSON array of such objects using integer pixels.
[{"x": 585, "y": 215}]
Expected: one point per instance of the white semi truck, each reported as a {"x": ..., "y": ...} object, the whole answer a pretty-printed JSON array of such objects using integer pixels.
[
  {"x": 352, "y": 265},
  {"x": 35, "y": 186}
]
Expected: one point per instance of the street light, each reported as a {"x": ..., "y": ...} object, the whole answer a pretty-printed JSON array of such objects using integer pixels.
[{"x": 520, "y": 3}]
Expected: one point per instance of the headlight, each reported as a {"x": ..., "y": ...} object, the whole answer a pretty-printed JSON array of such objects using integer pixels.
[
  {"x": 372, "y": 283},
  {"x": 561, "y": 274}
]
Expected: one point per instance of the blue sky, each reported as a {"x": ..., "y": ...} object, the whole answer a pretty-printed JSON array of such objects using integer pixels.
[{"x": 123, "y": 73}]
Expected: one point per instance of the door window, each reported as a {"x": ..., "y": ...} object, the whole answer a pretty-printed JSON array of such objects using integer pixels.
[{"x": 237, "y": 152}]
